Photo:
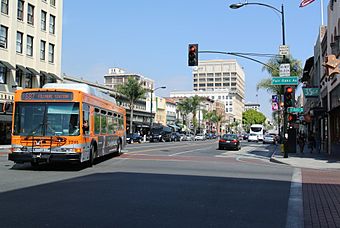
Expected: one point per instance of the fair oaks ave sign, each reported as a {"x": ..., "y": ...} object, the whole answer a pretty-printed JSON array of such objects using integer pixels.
[{"x": 292, "y": 80}]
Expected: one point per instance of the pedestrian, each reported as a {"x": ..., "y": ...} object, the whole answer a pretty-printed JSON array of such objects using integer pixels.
[
  {"x": 311, "y": 141},
  {"x": 301, "y": 141}
]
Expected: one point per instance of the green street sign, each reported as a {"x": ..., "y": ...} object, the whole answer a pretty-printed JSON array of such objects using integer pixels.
[
  {"x": 294, "y": 110},
  {"x": 291, "y": 80},
  {"x": 311, "y": 92}
]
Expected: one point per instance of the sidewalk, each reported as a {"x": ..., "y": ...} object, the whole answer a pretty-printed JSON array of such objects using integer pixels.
[{"x": 309, "y": 160}]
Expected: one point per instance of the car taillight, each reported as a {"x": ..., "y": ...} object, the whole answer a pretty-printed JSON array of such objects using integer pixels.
[
  {"x": 235, "y": 140},
  {"x": 222, "y": 140}
]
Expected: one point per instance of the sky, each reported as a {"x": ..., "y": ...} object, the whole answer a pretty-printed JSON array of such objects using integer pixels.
[{"x": 151, "y": 37}]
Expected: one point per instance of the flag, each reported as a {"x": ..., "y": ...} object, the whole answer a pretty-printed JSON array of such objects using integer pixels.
[{"x": 305, "y": 2}]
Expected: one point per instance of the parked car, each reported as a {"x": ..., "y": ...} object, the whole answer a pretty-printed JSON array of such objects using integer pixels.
[
  {"x": 270, "y": 139},
  {"x": 199, "y": 137},
  {"x": 175, "y": 136},
  {"x": 189, "y": 137},
  {"x": 160, "y": 134},
  {"x": 253, "y": 138},
  {"x": 132, "y": 138},
  {"x": 229, "y": 141}
]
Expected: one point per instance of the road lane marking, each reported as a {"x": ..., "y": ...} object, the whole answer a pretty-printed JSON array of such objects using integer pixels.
[
  {"x": 295, "y": 204},
  {"x": 188, "y": 151}
]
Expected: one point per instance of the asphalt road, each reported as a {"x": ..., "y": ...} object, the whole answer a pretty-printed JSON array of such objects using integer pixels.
[{"x": 181, "y": 184}]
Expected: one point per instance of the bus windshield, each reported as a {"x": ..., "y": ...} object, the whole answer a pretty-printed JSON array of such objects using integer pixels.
[
  {"x": 46, "y": 119},
  {"x": 256, "y": 129}
]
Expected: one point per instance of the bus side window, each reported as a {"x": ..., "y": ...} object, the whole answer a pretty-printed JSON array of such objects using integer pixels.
[
  {"x": 103, "y": 122},
  {"x": 110, "y": 123},
  {"x": 115, "y": 122},
  {"x": 96, "y": 121},
  {"x": 86, "y": 119}
]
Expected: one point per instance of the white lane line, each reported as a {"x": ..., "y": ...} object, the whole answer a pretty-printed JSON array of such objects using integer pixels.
[
  {"x": 295, "y": 204},
  {"x": 189, "y": 151}
]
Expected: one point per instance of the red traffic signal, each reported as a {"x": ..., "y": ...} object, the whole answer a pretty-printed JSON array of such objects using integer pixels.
[
  {"x": 292, "y": 118},
  {"x": 193, "y": 55},
  {"x": 289, "y": 97}
]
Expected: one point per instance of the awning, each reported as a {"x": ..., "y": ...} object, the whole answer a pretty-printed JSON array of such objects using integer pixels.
[
  {"x": 32, "y": 71},
  {"x": 44, "y": 73},
  {"x": 174, "y": 126},
  {"x": 53, "y": 76},
  {"x": 7, "y": 65},
  {"x": 23, "y": 69}
]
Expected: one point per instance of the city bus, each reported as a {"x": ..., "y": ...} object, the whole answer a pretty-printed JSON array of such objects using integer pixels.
[
  {"x": 65, "y": 123},
  {"x": 257, "y": 129}
]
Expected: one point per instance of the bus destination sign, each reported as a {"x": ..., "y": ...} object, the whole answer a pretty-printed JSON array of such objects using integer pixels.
[{"x": 47, "y": 95}]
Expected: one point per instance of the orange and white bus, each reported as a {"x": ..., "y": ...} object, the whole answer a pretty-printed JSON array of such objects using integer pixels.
[{"x": 65, "y": 122}]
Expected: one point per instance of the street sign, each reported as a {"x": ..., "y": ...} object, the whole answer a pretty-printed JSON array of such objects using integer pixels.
[
  {"x": 311, "y": 92},
  {"x": 294, "y": 110},
  {"x": 284, "y": 50},
  {"x": 292, "y": 80},
  {"x": 284, "y": 69}
]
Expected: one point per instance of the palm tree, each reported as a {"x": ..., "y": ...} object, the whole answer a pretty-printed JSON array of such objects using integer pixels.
[
  {"x": 273, "y": 71},
  {"x": 218, "y": 119},
  {"x": 195, "y": 103},
  {"x": 208, "y": 117},
  {"x": 133, "y": 90},
  {"x": 184, "y": 108}
]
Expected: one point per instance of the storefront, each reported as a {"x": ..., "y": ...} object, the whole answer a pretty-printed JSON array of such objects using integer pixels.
[
  {"x": 334, "y": 118},
  {"x": 5, "y": 123}
]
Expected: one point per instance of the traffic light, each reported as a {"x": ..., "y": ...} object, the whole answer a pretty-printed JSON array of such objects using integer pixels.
[
  {"x": 289, "y": 97},
  {"x": 292, "y": 118},
  {"x": 193, "y": 55}
]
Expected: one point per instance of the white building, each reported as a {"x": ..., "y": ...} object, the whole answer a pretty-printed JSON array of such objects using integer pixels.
[
  {"x": 30, "y": 48},
  {"x": 217, "y": 75},
  {"x": 253, "y": 106},
  {"x": 117, "y": 76}
]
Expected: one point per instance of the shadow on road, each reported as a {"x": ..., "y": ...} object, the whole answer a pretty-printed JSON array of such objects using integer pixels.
[{"x": 147, "y": 200}]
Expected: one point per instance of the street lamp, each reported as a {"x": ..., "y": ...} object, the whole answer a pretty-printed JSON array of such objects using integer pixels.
[
  {"x": 239, "y": 5},
  {"x": 152, "y": 91}
]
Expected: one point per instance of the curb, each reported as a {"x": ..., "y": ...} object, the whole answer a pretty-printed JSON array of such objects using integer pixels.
[{"x": 274, "y": 160}]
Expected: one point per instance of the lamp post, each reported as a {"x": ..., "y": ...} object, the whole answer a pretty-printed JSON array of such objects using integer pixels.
[
  {"x": 152, "y": 91},
  {"x": 239, "y": 5}
]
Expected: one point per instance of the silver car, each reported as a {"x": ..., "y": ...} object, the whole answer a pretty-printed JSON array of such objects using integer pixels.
[{"x": 270, "y": 139}]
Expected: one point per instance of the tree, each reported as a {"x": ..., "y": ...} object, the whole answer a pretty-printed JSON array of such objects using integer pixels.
[
  {"x": 273, "y": 71},
  {"x": 133, "y": 90},
  {"x": 218, "y": 119},
  {"x": 184, "y": 108},
  {"x": 252, "y": 116},
  {"x": 195, "y": 103},
  {"x": 207, "y": 116}
]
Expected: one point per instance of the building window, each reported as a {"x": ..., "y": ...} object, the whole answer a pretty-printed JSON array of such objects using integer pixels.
[
  {"x": 28, "y": 80},
  {"x": 43, "y": 20},
  {"x": 29, "y": 50},
  {"x": 3, "y": 36},
  {"x": 19, "y": 42},
  {"x": 20, "y": 15},
  {"x": 18, "y": 77},
  {"x": 51, "y": 53},
  {"x": 52, "y": 24},
  {"x": 3, "y": 71},
  {"x": 42, "y": 49},
  {"x": 30, "y": 14},
  {"x": 52, "y": 2},
  {"x": 4, "y": 6}
]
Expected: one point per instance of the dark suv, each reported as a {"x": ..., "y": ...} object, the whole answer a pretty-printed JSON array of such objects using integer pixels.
[
  {"x": 131, "y": 138},
  {"x": 160, "y": 134}
]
